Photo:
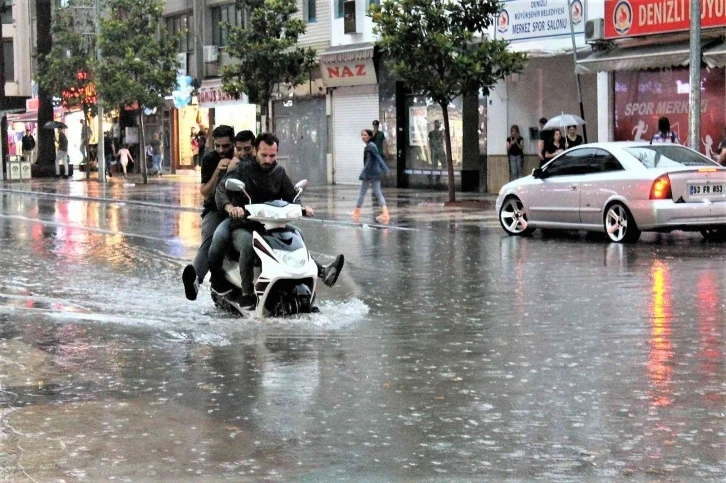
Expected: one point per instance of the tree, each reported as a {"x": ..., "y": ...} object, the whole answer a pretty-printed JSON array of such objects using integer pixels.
[
  {"x": 440, "y": 48},
  {"x": 138, "y": 65},
  {"x": 264, "y": 52},
  {"x": 67, "y": 70}
]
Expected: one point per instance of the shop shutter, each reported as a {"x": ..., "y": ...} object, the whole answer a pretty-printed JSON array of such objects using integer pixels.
[{"x": 354, "y": 109}]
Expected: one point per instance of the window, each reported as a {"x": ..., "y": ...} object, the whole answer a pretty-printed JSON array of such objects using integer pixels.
[
  {"x": 573, "y": 162},
  {"x": 9, "y": 65},
  {"x": 221, "y": 16},
  {"x": 309, "y": 12},
  {"x": 6, "y": 15},
  {"x": 606, "y": 161},
  {"x": 182, "y": 25},
  {"x": 668, "y": 155},
  {"x": 340, "y": 9}
]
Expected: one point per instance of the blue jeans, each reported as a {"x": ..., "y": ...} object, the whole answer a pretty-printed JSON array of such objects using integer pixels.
[
  {"x": 376, "y": 183},
  {"x": 210, "y": 222},
  {"x": 156, "y": 161},
  {"x": 516, "y": 166}
]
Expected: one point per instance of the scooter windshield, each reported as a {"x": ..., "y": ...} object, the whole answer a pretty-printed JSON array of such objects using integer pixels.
[{"x": 286, "y": 239}]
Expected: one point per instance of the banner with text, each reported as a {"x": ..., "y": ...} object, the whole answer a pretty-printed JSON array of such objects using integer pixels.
[
  {"x": 533, "y": 19},
  {"x": 630, "y": 18},
  {"x": 642, "y": 97}
]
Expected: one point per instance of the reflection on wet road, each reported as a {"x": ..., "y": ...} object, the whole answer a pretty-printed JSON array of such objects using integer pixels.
[{"x": 444, "y": 353}]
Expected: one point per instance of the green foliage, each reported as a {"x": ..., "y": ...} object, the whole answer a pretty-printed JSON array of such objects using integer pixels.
[
  {"x": 265, "y": 53},
  {"x": 439, "y": 47},
  {"x": 138, "y": 57},
  {"x": 72, "y": 53}
]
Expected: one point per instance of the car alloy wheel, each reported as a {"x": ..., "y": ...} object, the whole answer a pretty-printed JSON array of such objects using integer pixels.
[
  {"x": 513, "y": 218},
  {"x": 620, "y": 226}
]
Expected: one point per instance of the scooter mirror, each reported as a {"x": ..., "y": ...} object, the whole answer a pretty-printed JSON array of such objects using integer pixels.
[
  {"x": 302, "y": 184},
  {"x": 234, "y": 185}
]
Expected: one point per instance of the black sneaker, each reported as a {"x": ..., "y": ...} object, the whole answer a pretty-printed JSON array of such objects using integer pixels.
[
  {"x": 247, "y": 301},
  {"x": 331, "y": 272},
  {"x": 191, "y": 284}
]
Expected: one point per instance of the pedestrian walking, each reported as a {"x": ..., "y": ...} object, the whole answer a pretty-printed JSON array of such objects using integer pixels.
[
  {"x": 156, "y": 153},
  {"x": 373, "y": 169},
  {"x": 515, "y": 151},
  {"x": 572, "y": 139},
  {"x": 61, "y": 155},
  {"x": 109, "y": 152},
  {"x": 664, "y": 134},
  {"x": 555, "y": 146},
  {"x": 437, "y": 154},
  {"x": 28, "y": 145},
  {"x": 124, "y": 155},
  {"x": 379, "y": 139}
]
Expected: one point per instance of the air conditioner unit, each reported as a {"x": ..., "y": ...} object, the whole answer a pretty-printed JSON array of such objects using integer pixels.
[
  {"x": 595, "y": 30},
  {"x": 211, "y": 53}
]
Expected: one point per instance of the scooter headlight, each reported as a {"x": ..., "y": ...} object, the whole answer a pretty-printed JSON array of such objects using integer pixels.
[{"x": 296, "y": 259}]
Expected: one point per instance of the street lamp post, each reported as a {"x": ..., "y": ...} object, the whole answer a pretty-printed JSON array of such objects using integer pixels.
[
  {"x": 694, "y": 97},
  {"x": 101, "y": 149}
]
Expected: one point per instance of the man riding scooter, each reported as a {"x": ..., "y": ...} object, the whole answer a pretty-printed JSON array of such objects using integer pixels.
[{"x": 265, "y": 181}]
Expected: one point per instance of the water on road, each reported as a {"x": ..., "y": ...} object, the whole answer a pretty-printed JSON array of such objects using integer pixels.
[{"x": 445, "y": 353}]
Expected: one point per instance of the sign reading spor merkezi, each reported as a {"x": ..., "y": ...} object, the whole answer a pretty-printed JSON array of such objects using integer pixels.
[
  {"x": 630, "y": 18},
  {"x": 533, "y": 19}
]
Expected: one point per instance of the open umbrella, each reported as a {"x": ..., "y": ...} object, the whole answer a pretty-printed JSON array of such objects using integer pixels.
[
  {"x": 564, "y": 120},
  {"x": 54, "y": 125}
]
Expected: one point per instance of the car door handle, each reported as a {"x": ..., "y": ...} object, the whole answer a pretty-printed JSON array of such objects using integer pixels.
[{"x": 573, "y": 187}]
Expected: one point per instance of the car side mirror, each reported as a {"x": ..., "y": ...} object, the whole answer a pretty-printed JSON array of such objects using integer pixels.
[
  {"x": 234, "y": 185},
  {"x": 538, "y": 173}
]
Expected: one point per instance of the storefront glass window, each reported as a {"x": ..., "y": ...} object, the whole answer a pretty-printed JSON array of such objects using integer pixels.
[
  {"x": 426, "y": 141},
  {"x": 642, "y": 97}
]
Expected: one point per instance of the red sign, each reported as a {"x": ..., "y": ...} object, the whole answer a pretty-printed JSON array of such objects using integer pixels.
[
  {"x": 630, "y": 18},
  {"x": 642, "y": 97}
]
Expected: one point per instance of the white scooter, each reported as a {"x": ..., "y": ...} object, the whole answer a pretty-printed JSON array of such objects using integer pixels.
[{"x": 288, "y": 276}]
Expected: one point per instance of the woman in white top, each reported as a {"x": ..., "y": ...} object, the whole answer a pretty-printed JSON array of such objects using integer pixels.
[{"x": 123, "y": 157}]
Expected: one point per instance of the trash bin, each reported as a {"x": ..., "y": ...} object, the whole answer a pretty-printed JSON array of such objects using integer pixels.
[
  {"x": 25, "y": 170},
  {"x": 14, "y": 167}
]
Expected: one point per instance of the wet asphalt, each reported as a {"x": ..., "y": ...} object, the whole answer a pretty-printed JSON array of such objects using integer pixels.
[{"x": 447, "y": 351}]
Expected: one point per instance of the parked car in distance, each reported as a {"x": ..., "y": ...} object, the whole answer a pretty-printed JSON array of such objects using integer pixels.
[{"x": 621, "y": 189}]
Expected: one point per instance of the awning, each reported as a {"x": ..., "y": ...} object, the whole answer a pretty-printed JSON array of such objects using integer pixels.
[
  {"x": 347, "y": 53},
  {"x": 715, "y": 56},
  {"x": 635, "y": 58}
]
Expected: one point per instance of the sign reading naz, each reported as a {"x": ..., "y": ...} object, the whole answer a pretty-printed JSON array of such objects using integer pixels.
[
  {"x": 628, "y": 18},
  {"x": 357, "y": 70},
  {"x": 531, "y": 19}
]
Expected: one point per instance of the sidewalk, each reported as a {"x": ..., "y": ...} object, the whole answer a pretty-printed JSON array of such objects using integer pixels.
[{"x": 331, "y": 203}]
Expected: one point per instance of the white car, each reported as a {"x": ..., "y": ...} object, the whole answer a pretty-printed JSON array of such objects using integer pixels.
[{"x": 621, "y": 189}]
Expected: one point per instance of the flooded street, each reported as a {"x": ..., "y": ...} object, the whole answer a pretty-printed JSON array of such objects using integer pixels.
[{"x": 446, "y": 352}]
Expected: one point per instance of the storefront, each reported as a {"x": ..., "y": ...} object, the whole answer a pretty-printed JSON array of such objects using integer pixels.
[
  {"x": 646, "y": 62},
  {"x": 349, "y": 74}
]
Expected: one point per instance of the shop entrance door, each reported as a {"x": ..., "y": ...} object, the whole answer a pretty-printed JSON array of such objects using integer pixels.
[{"x": 302, "y": 128}]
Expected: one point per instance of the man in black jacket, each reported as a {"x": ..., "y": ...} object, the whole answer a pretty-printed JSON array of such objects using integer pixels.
[{"x": 264, "y": 181}]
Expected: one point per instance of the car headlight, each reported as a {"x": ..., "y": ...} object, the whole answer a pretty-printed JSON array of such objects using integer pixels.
[{"x": 296, "y": 259}]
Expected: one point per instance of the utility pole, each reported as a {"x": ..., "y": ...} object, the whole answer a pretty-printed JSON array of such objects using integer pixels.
[
  {"x": 577, "y": 75},
  {"x": 694, "y": 97},
  {"x": 100, "y": 150},
  {"x": 3, "y": 101}
]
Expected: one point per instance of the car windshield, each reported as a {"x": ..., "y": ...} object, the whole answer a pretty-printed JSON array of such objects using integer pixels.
[{"x": 668, "y": 155}]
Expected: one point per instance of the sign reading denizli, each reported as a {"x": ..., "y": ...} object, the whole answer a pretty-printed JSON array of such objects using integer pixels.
[
  {"x": 533, "y": 19},
  {"x": 630, "y": 18}
]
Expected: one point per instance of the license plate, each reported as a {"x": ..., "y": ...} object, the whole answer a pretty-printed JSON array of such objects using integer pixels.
[{"x": 706, "y": 189}]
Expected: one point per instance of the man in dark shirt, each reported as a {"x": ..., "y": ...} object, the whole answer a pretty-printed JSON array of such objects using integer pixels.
[
  {"x": 28, "y": 144},
  {"x": 214, "y": 166},
  {"x": 265, "y": 180},
  {"x": 378, "y": 138},
  {"x": 545, "y": 136},
  {"x": 109, "y": 152}
]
